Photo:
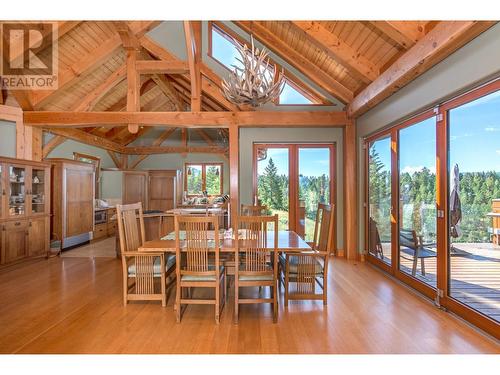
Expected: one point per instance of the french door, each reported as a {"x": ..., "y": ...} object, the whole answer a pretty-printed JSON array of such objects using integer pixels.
[
  {"x": 432, "y": 205},
  {"x": 291, "y": 179}
]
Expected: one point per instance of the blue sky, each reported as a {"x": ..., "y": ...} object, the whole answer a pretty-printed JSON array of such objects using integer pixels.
[
  {"x": 474, "y": 139},
  {"x": 312, "y": 161}
]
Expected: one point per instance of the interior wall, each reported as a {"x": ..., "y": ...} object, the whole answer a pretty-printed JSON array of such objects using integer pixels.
[
  {"x": 249, "y": 136},
  {"x": 476, "y": 62},
  {"x": 7, "y": 139}
]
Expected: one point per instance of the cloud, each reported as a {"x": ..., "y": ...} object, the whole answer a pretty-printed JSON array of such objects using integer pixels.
[
  {"x": 323, "y": 162},
  {"x": 413, "y": 169},
  {"x": 492, "y": 129}
]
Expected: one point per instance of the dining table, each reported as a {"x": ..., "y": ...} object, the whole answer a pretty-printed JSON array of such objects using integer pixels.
[{"x": 288, "y": 242}]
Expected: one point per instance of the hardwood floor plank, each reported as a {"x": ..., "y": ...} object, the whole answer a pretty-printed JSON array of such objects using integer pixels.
[{"x": 74, "y": 305}]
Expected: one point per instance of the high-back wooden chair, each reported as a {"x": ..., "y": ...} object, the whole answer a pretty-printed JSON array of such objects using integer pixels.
[
  {"x": 250, "y": 210},
  {"x": 198, "y": 261},
  {"x": 141, "y": 270},
  {"x": 310, "y": 269},
  {"x": 256, "y": 260}
]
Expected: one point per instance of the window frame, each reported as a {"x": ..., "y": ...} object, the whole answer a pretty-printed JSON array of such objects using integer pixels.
[
  {"x": 204, "y": 177},
  {"x": 316, "y": 98}
]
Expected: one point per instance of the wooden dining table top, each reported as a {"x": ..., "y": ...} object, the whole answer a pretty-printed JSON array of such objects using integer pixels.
[{"x": 288, "y": 241}]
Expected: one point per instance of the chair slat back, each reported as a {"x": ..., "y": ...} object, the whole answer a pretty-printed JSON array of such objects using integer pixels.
[
  {"x": 324, "y": 227},
  {"x": 197, "y": 244},
  {"x": 255, "y": 243},
  {"x": 130, "y": 230},
  {"x": 408, "y": 238},
  {"x": 249, "y": 210}
]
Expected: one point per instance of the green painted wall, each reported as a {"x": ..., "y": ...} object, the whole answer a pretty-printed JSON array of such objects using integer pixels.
[
  {"x": 474, "y": 63},
  {"x": 7, "y": 139},
  {"x": 249, "y": 136}
]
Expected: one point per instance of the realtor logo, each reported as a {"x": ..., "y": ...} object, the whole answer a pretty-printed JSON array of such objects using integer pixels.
[{"x": 29, "y": 55}]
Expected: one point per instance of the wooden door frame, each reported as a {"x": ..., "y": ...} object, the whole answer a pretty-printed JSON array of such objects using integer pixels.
[{"x": 293, "y": 165}]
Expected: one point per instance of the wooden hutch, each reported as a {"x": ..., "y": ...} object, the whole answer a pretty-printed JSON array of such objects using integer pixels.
[{"x": 24, "y": 210}]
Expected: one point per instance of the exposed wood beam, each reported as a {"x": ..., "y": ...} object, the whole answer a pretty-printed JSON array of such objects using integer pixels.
[
  {"x": 23, "y": 99},
  {"x": 157, "y": 142},
  {"x": 88, "y": 62},
  {"x": 340, "y": 51},
  {"x": 116, "y": 160},
  {"x": 147, "y": 150},
  {"x": 192, "y": 32},
  {"x": 51, "y": 145},
  {"x": 84, "y": 137},
  {"x": 161, "y": 67},
  {"x": 93, "y": 97},
  {"x": 10, "y": 113},
  {"x": 188, "y": 119},
  {"x": 234, "y": 176},
  {"x": 168, "y": 90},
  {"x": 133, "y": 88},
  {"x": 439, "y": 43},
  {"x": 403, "y": 33},
  {"x": 161, "y": 53},
  {"x": 127, "y": 36},
  {"x": 298, "y": 61}
]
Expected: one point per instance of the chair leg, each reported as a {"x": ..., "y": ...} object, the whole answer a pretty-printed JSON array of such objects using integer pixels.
[
  {"x": 236, "y": 301},
  {"x": 125, "y": 290},
  {"x": 275, "y": 304},
  {"x": 287, "y": 285},
  {"x": 178, "y": 302},
  {"x": 414, "y": 269},
  {"x": 217, "y": 301},
  {"x": 422, "y": 266},
  {"x": 163, "y": 282},
  {"x": 325, "y": 295}
]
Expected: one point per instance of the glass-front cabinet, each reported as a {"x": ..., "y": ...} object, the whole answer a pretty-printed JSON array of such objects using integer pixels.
[
  {"x": 16, "y": 190},
  {"x": 25, "y": 189}
]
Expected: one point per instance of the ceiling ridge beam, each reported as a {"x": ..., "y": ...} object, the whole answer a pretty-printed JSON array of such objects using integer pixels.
[
  {"x": 440, "y": 42},
  {"x": 298, "y": 61},
  {"x": 339, "y": 50}
]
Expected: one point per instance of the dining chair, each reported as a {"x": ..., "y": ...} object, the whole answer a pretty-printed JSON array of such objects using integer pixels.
[
  {"x": 256, "y": 260},
  {"x": 308, "y": 269},
  {"x": 198, "y": 262},
  {"x": 253, "y": 210},
  {"x": 141, "y": 271}
]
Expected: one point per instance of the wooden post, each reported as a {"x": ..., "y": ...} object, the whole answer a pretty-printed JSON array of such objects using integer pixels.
[
  {"x": 350, "y": 191},
  {"x": 133, "y": 88},
  {"x": 234, "y": 172},
  {"x": 192, "y": 32}
]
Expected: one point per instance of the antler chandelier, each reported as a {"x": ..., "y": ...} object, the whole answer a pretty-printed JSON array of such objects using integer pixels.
[{"x": 254, "y": 83}]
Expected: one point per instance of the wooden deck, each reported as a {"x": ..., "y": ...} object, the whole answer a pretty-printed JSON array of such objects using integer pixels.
[{"x": 475, "y": 275}]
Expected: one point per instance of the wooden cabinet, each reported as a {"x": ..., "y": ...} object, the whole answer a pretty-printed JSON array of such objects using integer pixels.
[
  {"x": 24, "y": 209},
  {"x": 38, "y": 236},
  {"x": 135, "y": 187},
  {"x": 72, "y": 201},
  {"x": 15, "y": 240},
  {"x": 162, "y": 190}
]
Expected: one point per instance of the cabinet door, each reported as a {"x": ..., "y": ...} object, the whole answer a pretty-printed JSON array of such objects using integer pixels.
[
  {"x": 38, "y": 236},
  {"x": 16, "y": 190},
  {"x": 161, "y": 192},
  {"x": 15, "y": 240},
  {"x": 79, "y": 201},
  {"x": 37, "y": 189},
  {"x": 134, "y": 188}
]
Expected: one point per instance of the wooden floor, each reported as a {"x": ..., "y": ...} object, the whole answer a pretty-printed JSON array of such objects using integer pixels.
[
  {"x": 475, "y": 275},
  {"x": 74, "y": 305}
]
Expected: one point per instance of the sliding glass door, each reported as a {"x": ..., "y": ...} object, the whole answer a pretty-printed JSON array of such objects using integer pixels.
[
  {"x": 417, "y": 229},
  {"x": 380, "y": 199},
  {"x": 433, "y": 204},
  {"x": 291, "y": 180},
  {"x": 474, "y": 205}
]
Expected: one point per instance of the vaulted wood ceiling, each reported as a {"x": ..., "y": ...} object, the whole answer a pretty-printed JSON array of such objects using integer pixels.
[{"x": 354, "y": 61}]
